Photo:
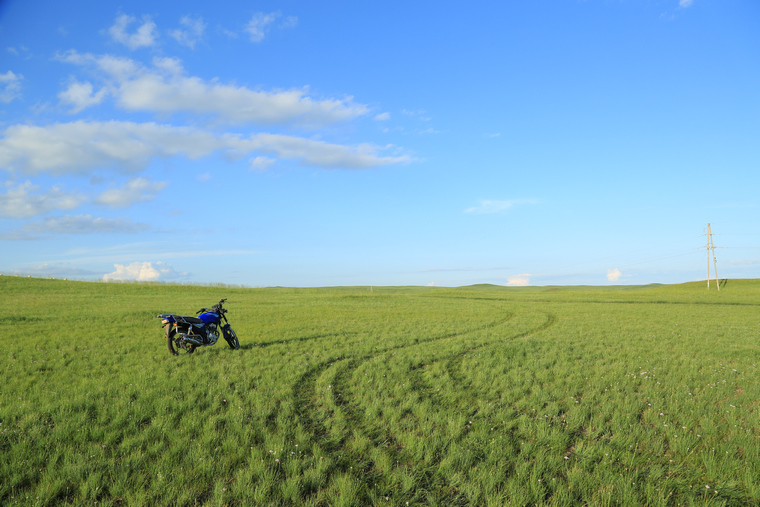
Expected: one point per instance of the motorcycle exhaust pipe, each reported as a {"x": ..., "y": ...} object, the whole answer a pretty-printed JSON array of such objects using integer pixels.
[{"x": 192, "y": 338}]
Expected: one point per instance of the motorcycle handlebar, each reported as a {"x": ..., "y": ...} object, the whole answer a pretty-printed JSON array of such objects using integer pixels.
[{"x": 220, "y": 310}]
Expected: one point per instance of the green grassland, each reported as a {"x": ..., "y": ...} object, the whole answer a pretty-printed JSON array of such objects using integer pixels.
[{"x": 479, "y": 395}]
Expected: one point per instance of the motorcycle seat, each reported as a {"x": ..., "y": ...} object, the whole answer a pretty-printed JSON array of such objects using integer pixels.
[{"x": 192, "y": 320}]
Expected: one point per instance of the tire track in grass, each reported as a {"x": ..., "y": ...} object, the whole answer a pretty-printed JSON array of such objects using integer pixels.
[
  {"x": 457, "y": 358},
  {"x": 466, "y": 390},
  {"x": 273, "y": 414},
  {"x": 304, "y": 379},
  {"x": 454, "y": 366},
  {"x": 303, "y": 339},
  {"x": 381, "y": 437},
  {"x": 308, "y": 408},
  {"x": 334, "y": 440},
  {"x": 389, "y": 449},
  {"x": 304, "y": 396}
]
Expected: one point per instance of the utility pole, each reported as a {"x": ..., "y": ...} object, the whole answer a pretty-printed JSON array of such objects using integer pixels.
[{"x": 711, "y": 247}]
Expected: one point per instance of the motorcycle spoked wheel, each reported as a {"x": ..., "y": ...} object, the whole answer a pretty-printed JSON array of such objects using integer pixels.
[
  {"x": 232, "y": 339},
  {"x": 177, "y": 345}
]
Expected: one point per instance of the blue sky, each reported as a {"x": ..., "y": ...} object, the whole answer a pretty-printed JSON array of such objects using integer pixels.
[{"x": 380, "y": 143}]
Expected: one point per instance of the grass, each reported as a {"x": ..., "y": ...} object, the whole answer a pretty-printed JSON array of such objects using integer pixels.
[{"x": 481, "y": 395}]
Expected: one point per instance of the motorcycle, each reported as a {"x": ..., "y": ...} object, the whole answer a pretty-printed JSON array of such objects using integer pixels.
[{"x": 185, "y": 334}]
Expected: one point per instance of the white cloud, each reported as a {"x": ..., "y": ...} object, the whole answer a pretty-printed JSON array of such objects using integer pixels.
[
  {"x": 191, "y": 33},
  {"x": 519, "y": 280},
  {"x": 172, "y": 94},
  {"x": 613, "y": 275},
  {"x": 82, "y": 224},
  {"x": 81, "y": 147},
  {"x": 23, "y": 201},
  {"x": 20, "y": 50},
  {"x": 143, "y": 272},
  {"x": 114, "y": 68},
  {"x": 488, "y": 207},
  {"x": 258, "y": 26},
  {"x": 260, "y": 163},
  {"x": 321, "y": 154},
  {"x": 166, "y": 89},
  {"x": 289, "y": 22},
  {"x": 10, "y": 86},
  {"x": 81, "y": 96},
  {"x": 420, "y": 114},
  {"x": 685, "y": 3},
  {"x": 383, "y": 117},
  {"x": 136, "y": 190},
  {"x": 130, "y": 250},
  {"x": 145, "y": 36},
  {"x": 59, "y": 270}
]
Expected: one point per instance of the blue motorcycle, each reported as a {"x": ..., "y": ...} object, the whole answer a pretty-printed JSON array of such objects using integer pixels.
[{"x": 185, "y": 334}]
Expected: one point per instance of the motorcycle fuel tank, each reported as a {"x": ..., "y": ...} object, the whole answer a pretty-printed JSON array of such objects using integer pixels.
[{"x": 209, "y": 317}]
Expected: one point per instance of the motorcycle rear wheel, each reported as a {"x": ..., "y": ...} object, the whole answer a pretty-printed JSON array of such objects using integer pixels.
[{"x": 176, "y": 345}]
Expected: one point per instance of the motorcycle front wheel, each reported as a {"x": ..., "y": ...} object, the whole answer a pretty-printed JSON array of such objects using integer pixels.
[
  {"x": 177, "y": 345},
  {"x": 232, "y": 339}
]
